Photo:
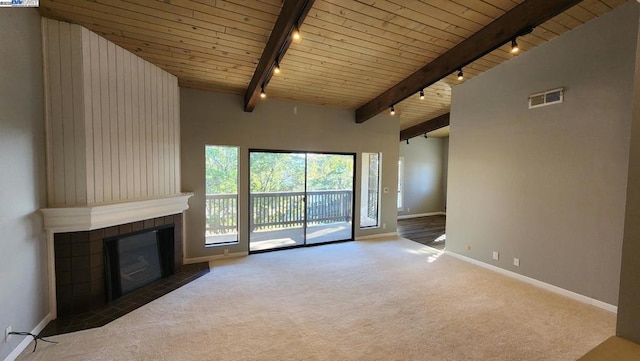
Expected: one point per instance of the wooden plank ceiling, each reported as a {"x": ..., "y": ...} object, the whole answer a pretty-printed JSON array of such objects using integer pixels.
[{"x": 350, "y": 51}]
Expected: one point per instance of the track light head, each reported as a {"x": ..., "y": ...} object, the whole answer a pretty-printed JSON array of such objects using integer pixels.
[
  {"x": 263, "y": 94},
  {"x": 296, "y": 33},
  {"x": 460, "y": 74},
  {"x": 407, "y": 140},
  {"x": 514, "y": 46},
  {"x": 425, "y": 136},
  {"x": 392, "y": 110},
  {"x": 276, "y": 69},
  {"x": 422, "y": 94}
]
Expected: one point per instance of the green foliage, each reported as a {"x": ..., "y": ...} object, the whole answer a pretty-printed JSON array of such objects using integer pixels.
[
  {"x": 285, "y": 172},
  {"x": 277, "y": 172},
  {"x": 221, "y": 170},
  {"x": 329, "y": 172}
]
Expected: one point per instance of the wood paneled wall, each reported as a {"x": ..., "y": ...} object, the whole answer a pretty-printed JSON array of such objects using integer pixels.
[{"x": 113, "y": 130}]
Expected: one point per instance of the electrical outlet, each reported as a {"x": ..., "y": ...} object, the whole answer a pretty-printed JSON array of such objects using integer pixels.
[
  {"x": 7, "y": 335},
  {"x": 226, "y": 252},
  {"x": 516, "y": 261},
  {"x": 496, "y": 255}
]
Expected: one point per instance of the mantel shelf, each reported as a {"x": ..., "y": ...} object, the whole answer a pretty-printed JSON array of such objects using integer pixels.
[{"x": 74, "y": 219}]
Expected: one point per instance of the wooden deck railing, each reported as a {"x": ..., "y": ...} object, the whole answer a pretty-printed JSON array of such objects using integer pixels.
[{"x": 278, "y": 210}]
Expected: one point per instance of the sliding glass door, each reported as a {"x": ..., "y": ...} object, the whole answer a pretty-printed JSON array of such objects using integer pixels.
[
  {"x": 277, "y": 191},
  {"x": 299, "y": 199},
  {"x": 329, "y": 198}
]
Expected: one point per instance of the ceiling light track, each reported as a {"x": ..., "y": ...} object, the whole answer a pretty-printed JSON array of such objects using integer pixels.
[
  {"x": 292, "y": 14},
  {"x": 514, "y": 49}
]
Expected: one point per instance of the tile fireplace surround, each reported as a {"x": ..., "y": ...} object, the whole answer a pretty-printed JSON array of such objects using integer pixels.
[{"x": 74, "y": 245}]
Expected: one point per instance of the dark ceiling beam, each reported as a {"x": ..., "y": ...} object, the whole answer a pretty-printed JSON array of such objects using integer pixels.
[
  {"x": 425, "y": 127},
  {"x": 517, "y": 21},
  {"x": 291, "y": 15}
]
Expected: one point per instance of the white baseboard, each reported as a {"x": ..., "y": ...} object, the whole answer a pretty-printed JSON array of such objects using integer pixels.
[
  {"x": 214, "y": 257},
  {"x": 407, "y": 216},
  {"x": 27, "y": 339},
  {"x": 532, "y": 281},
  {"x": 379, "y": 235}
]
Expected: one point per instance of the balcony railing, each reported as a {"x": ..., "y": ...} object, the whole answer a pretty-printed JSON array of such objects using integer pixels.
[{"x": 278, "y": 210}]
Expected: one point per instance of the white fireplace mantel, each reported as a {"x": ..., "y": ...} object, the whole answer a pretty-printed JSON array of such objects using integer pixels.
[{"x": 86, "y": 218}]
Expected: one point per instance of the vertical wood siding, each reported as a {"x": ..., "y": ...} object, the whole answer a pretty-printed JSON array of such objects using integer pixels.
[{"x": 112, "y": 121}]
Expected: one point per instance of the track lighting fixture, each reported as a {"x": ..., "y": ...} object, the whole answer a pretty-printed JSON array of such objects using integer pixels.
[
  {"x": 262, "y": 93},
  {"x": 422, "y": 94},
  {"x": 276, "y": 69},
  {"x": 392, "y": 110},
  {"x": 425, "y": 136},
  {"x": 296, "y": 33},
  {"x": 460, "y": 74},
  {"x": 514, "y": 46},
  {"x": 407, "y": 140}
]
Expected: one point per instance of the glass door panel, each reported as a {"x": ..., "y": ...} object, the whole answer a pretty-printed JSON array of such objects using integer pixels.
[
  {"x": 329, "y": 197},
  {"x": 276, "y": 200}
]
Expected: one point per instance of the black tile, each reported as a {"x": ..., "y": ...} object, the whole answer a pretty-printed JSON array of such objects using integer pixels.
[
  {"x": 96, "y": 247},
  {"x": 111, "y": 231},
  {"x": 78, "y": 263},
  {"x": 80, "y": 277},
  {"x": 62, "y": 249},
  {"x": 177, "y": 219},
  {"x": 79, "y": 236},
  {"x": 61, "y": 238},
  {"x": 81, "y": 289},
  {"x": 126, "y": 228},
  {"x": 96, "y": 273},
  {"x": 63, "y": 278},
  {"x": 96, "y": 235},
  {"x": 79, "y": 249},
  {"x": 137, "y": 226},
  {"x": 63, "y": 264},
  {"x": 96, "y": 260},
  {"x": 148, "y": 223},
  {"x": 120, "y": 307}
]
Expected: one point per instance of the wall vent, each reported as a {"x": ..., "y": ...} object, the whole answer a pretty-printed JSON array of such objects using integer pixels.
[{"x": 549, "y": 97}]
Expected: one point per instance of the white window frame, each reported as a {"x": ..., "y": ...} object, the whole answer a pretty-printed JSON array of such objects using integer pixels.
[{"x": 401, "y": 165}]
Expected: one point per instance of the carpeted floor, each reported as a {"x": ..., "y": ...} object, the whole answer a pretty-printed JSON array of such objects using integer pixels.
[{"x": 389, "y": 299}]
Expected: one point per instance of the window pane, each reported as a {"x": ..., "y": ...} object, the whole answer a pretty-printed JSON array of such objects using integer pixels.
[
  {"x": 370, "y": 190},
  {"x": 221, "y": 185}
]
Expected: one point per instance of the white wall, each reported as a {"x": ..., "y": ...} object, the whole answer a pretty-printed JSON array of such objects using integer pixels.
[
  {"x": 23, "y": 265},
  {"x": 548, "y": 185},
  {"x": 113, "y": 125},
  {"x": 209, "y": 118},
  {"x": 424, "y": 176}
]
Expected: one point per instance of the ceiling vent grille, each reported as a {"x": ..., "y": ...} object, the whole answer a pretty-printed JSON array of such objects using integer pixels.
[{"x": 549, "y": 97}]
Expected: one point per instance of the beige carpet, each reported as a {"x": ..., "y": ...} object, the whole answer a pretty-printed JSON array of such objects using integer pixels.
[{"x": 368, "y": 300}]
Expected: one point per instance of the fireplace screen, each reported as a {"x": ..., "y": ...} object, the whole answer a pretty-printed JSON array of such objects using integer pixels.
[{"x": 139, "y": 260}]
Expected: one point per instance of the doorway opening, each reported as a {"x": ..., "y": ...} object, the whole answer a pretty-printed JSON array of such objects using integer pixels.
[{"x": 299, "y": 199}]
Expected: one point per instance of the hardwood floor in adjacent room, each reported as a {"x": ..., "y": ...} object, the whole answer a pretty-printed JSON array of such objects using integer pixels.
[{"x": 429, "y": 230}]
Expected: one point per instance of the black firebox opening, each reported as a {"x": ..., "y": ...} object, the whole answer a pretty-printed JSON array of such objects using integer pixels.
[{"x": 137, "y": 259}]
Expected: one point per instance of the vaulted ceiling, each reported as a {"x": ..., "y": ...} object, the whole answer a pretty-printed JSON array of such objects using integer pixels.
[{"x": 350, "y": 51}]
